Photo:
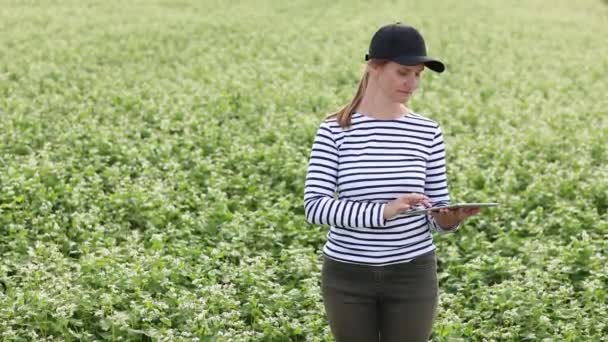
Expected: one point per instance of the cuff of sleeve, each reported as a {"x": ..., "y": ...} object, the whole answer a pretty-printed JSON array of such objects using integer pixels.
[
  {"x": 381, "y": 220},
  {"x": 443, "y": 230}
]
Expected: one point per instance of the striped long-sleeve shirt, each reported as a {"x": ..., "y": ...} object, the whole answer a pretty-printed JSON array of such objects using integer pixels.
[{"x": 354, "y": 172}]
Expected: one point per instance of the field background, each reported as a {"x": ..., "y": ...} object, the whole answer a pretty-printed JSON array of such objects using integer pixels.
[{"x": 153, "y": 155}]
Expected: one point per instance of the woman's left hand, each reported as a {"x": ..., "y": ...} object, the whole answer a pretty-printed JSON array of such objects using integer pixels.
[{"x": 451, "y": 217}]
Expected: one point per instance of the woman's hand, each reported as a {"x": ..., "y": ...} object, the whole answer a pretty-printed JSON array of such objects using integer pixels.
[
  {"x": 449, "y": 218},
  {"x": 404, "y": 203}
]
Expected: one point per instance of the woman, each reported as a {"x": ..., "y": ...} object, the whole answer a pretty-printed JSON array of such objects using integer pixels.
[{"x": 379, "y": 278}]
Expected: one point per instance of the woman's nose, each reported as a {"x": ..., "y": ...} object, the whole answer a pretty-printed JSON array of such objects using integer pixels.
[{"x": 410, "y": 81}]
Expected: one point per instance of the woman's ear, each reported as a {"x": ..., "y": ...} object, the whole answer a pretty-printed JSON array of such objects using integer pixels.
[{"x": 372, "y": 68}]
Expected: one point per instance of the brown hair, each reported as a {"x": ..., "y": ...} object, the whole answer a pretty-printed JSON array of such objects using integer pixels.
[{"x": 344, "y": 115}]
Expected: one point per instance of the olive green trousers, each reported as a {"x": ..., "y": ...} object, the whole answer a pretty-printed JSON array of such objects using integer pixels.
[{"x": 393, "y": 303}]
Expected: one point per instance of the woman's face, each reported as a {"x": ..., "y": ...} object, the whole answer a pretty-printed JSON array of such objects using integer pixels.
[{"x": 398, "y": 82}]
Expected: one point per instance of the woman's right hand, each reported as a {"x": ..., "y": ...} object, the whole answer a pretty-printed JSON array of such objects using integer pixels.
[{"x": 404, "y": 203}]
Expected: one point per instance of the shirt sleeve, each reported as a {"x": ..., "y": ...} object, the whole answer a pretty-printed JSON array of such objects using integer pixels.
[
  {"x": 436, "y": 184},
  {"x": 320, "y": 206}
]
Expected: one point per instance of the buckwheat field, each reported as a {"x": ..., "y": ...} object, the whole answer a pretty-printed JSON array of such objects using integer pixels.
[{"x": 153, "y": 156}]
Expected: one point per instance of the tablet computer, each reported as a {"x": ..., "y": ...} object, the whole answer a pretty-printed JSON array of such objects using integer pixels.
[{"x": 450, "y": 206}]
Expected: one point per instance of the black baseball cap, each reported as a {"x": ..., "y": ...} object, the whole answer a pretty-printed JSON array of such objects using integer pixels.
[{"x": 402, "y": 44}]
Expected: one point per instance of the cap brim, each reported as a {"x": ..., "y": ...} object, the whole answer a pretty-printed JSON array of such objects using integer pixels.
[{"x": 430, "y": 63}]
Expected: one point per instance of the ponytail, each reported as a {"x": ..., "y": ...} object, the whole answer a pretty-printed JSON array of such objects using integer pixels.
[{"x": 344, "y": 115}]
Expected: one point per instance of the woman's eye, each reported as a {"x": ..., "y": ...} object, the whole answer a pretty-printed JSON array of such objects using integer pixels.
[{"x": 406, "y": 73}]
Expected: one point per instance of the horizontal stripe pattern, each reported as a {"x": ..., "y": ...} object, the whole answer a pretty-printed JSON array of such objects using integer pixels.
[{"x": 352, "y": 174}]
